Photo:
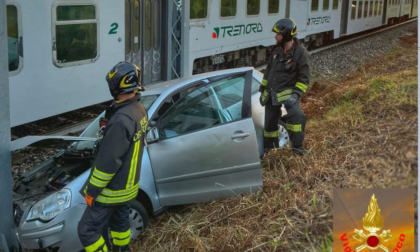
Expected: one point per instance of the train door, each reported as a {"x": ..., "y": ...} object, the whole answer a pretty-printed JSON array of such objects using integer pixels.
[
  {"x": 143, "y": 37},
  {"x": 133, "y": 22},
  {"x": 153, "y": 58},
  {"x": 385, "y": 10},
  {"x": 344, "y": 16}
]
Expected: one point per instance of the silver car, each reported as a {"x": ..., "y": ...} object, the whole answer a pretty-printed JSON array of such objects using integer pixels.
[{"x": 204, "y": 141}]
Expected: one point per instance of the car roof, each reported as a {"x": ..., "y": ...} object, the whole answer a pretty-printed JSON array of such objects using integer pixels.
[{"x": 172, "y": 85}]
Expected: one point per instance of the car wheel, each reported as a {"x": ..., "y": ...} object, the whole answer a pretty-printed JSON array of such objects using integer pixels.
[
  {"x": 139, "y": 220},
  {"x": 284, "y": 135}
]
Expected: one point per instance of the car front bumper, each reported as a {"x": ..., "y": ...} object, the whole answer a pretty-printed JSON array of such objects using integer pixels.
[{"x": 59, "y": 234}]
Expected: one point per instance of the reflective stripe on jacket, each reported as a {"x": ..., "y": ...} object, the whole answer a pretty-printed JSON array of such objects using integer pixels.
[
  {"x": 115, "y": 174},
  {"x": 286, "y": 74}
]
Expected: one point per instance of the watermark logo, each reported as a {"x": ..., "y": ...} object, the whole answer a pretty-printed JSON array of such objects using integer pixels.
[
  {"x": 372, "y": 223},
  {"x": 364, "y": 218}
]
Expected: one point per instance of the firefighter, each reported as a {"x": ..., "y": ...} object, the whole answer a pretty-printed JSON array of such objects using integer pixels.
[
  {"x": 114, "y": 179},
  {"x": 286, "y": 79}
]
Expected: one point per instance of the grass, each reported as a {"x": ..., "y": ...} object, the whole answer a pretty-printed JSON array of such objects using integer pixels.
[{"x": 361, "y": 133}]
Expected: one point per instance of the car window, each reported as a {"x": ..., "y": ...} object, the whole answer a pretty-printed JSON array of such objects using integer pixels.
[
  {"x": 255, "y": 86},
  {"x": 170, "y": 101},
  {"x": 205, "y": 107},
  {"x": 148, "y": 100}
]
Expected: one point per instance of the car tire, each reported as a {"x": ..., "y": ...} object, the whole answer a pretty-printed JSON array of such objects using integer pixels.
[
  {"x": 139, "y": 220},
  {"x": 284, "y": 138}
]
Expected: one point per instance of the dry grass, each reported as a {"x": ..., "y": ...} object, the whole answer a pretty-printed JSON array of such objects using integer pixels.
[{"x": 362, "y": 133}]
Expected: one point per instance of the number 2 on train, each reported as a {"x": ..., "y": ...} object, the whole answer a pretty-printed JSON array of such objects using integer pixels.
[{"x": 114, "y": 28}]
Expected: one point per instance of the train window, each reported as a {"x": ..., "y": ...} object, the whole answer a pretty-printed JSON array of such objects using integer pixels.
[
  {"x": 127, "y": 26},
  {"x": 370, "y": 8},
  {"x": 325, "y": 5},
  {"x": 148, "y": 26},
  {"x": 380, "y": 8},
  {"x": 12, "y": 37},
  {"x": 227, "y": 8},
  {"x": 273, "y": 6},
  {"x": 335, "y": 4},
  {"x": 136, "y": 26},
  {"x": 76, "y": 37},
  {"x": 75, "y": 12},
  {"x": 198, "y": 9},
  {"x": 365, "y": 13},
  {"x": 375, "y": 11},
  {"x": 253, "y": 7},
  {"x": 314, "y": 5},
  {"x": 353, "y": 10},
  {"x": 156, "y": 24},
  {"x": 360, "y": 10}
]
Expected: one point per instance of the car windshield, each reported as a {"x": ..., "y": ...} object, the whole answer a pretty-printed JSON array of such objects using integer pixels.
[{"x": 93, "y": 128}]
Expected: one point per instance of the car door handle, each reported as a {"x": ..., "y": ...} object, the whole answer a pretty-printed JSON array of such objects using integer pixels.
[{"x": 241, "y": 135}]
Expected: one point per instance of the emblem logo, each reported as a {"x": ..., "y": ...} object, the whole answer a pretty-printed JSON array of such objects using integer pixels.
[
  {"x": 237, "y": 30},
  {"x": 123, "y": 83},
  {"x": 372, "y": 223}
]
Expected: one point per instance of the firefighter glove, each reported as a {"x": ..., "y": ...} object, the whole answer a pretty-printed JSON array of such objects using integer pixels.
[
  {"x": 261, "y": 101},
  {"x": 291, "y": 101},
  {"x": 89, "y": 200}
]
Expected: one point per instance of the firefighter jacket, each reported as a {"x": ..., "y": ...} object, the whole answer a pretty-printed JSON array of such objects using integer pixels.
[
  {"x": 115, "y": 175},
  {"x": 285, "y": 74}
]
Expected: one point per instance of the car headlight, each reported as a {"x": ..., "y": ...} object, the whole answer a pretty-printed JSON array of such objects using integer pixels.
[{"x": 48, "y": 208}]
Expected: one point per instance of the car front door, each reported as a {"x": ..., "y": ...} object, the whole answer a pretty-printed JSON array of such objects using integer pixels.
[{"x": 207, "y": 146}]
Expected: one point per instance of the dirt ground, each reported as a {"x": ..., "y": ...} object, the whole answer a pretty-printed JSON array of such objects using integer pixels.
[{"x": 362, "y": 132}]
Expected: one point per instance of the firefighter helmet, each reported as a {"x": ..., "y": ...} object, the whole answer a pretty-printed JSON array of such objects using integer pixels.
[
  {"x": 124, "y": 78},
  {"x": 287, "y": 28}
]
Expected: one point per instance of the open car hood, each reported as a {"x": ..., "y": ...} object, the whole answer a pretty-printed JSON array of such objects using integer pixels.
[{"x": 56, "y": 142}]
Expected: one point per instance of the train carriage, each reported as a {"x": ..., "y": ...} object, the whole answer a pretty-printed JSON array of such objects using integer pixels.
[
  {"x": 60, "y": 50},
  {"x": 364, "y": 15}
]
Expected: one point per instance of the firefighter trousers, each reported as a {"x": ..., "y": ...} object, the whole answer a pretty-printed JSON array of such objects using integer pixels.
[
  {"x": 295, "y": 124},
  {"x": 90, "y": 226}
]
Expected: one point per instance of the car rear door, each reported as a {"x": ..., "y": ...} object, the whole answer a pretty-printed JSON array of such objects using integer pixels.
[{"x": 207, "y": 145}]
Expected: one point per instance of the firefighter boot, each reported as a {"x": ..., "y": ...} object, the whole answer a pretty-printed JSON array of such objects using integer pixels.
[
  {"x": 116, "y": 248},
  {"x": 299, "y": 151}
]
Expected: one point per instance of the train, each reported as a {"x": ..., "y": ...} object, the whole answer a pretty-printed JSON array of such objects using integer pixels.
[{"x": 59, "y": 51}]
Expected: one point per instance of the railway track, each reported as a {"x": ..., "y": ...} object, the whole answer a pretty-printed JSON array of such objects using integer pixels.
[
  {"x": 78, "y": 127},
  {"x": 72, "y": 129}
]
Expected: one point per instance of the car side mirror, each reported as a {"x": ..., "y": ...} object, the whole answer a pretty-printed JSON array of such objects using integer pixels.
[{"x": 152, "y": 135}]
